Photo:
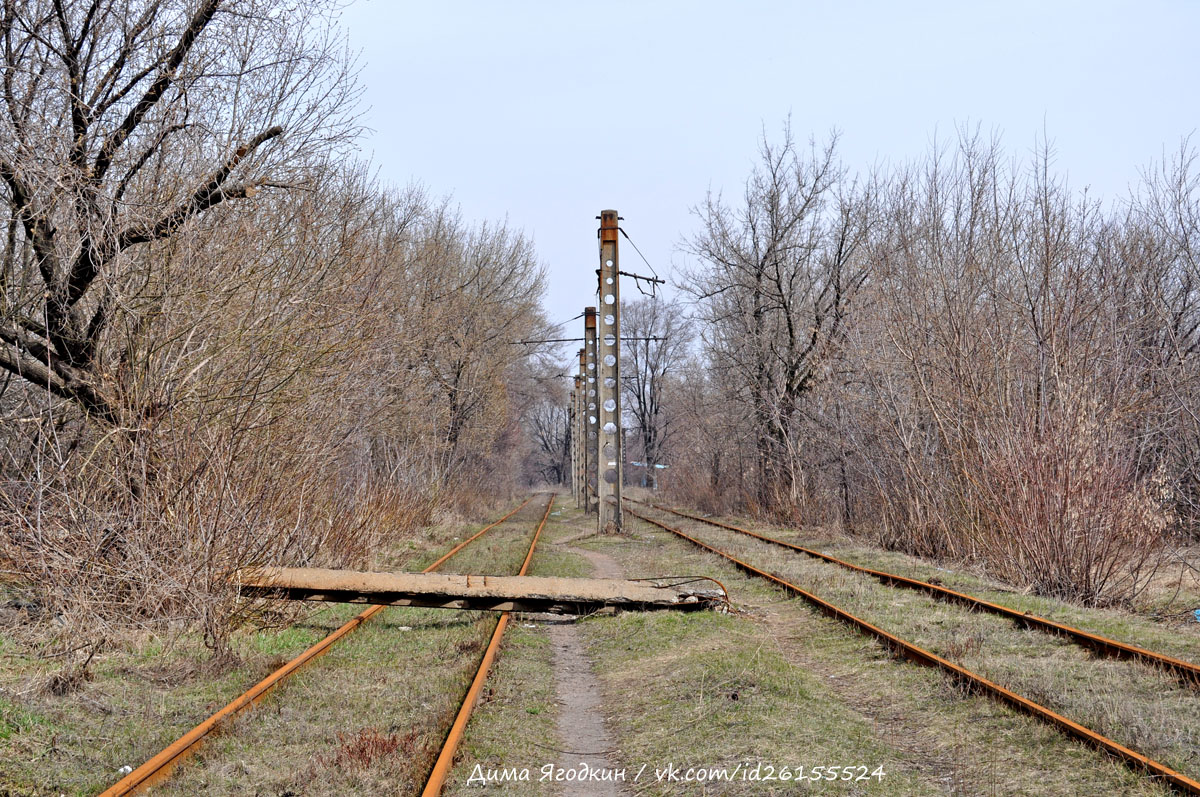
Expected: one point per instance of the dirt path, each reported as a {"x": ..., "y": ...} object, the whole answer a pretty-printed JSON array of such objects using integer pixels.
[
  {"x": 603, "y": 565},
  {"x": 581, "y": 728}
]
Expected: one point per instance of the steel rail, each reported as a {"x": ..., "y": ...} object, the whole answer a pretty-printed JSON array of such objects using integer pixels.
[
  {"x": 1184, "y": 670},
  {"x": 159, "y": 767},
  {"x": 919, "y": 655},
  {"x": 445, "y": 759}
]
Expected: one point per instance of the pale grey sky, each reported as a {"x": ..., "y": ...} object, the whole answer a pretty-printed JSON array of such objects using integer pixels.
[{"x": 548, "y": 112}]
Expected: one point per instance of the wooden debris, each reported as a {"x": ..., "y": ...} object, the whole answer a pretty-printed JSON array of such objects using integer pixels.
[{"x": 496, "y": 593}]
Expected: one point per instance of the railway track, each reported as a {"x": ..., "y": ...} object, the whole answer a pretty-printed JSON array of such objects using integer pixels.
[
  {"x": 445, "y": 758},
  {"x": 919, "y": 655},
  {"x": 159, "y": 767},
  {"x": 1186, "y": 671}
]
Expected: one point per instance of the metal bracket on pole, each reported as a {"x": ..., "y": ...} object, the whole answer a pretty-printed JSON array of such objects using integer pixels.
[{"x": 608, "y": 382}]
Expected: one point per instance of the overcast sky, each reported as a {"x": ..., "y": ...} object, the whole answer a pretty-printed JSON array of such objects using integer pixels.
[{"x": 548, "y": 112}]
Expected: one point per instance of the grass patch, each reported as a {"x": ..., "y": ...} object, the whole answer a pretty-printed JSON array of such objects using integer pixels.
[
  {"x": 1129, "y": 702},
  {"x": 276, "y": 643},
  {"x": 1159, "y": 624},
  {"x": 710, "y": 690},
  {"x": 396, "y": 681},
  {"x": 816, "y": 690},
  {"x": 514, "y": 723},
  {"x": 551, "y": 562},
  {"x": 369, "y": 716},
  {"x": 146, "y": 691}
]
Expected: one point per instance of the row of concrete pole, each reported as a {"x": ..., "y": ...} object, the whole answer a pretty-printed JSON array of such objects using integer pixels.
[{"x": 595, "y": 407}]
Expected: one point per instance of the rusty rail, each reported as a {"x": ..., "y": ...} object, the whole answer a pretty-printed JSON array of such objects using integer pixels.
[
  {"x": 159, "y": 767},
  {"x": 1184, "y": 670},
  {"x": 445, "y": 759},
  {"x": 927, "y": 658}
]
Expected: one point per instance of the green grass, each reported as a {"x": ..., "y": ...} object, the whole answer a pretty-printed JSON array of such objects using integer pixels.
[
  {"x": 1129, "y": 702},
  {"x": 825, "y": 690},
  {"x": 402, "y": 684},
  {"x": 550, "y": 562},
  {"x": 285, "y": 640},
  {"x": 397, "y": 680},
  {"x": 15, "y": 719},
  {"x": 706, "y": 689},
  {"x": 774, "y": 683},
  {"x": 514, "y": 723},
  {"x": 1179, "y": 637},
  {"x": 147, "y": 690}
]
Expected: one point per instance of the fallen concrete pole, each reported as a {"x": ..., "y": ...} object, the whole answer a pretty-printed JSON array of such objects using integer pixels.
[{"x": 494, "y": 593}]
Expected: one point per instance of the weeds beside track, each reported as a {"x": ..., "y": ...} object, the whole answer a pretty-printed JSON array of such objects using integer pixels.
[
  {"x": 972, "y": 680},
  {"x": 1186, "y": 671},
  {"x": 160, "y": 766}
]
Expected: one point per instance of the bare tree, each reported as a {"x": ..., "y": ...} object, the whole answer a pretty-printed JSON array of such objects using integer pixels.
[
  {"x": 123, "y": 123},
  {"x": 657, "y": 338},
  {"x": 457, "y": 296},
  {"x": 548, "y": 423},
  {"x": 1014, "y": 385},
  {"x": 288, "y": 361},
  {"x": 1011, "y": 393},
  {"x": 780, "y": 271}
]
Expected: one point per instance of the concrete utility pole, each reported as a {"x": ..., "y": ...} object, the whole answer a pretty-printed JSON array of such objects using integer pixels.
[
  {"x": 579, "y": 475},
  {"x": 591, "y": 488},
  {"x": 581, "y": 437},
  {"x": 572, "y": 465},
  {"x": 608, "y": 382}
]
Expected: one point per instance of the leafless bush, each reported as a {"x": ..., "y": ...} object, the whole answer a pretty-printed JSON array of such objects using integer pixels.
[
  {"x": 1065, "y": 511},
  {"x": 278, "y": 351},
  {"x": 102, "y": 557},
  {"x": 1013, "y": 384}
]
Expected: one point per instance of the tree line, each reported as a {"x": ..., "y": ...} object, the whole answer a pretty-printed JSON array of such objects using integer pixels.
[
  {"x": 960, "y": 357},
  {"x": 222, "y": 342}
]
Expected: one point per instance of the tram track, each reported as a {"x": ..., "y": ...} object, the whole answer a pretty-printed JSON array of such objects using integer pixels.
[
  {"x": 445, "y": 759},
  {"x": 159, "y": 767},
  {"x": 970, "y": 679},
  {"x": 1186, "y": 671}
]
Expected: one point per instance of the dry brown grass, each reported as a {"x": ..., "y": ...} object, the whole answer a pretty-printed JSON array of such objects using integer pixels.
[
  {"x": 363, "y": 748},
  {"x": 1127, "y": 701},
  {"x": 809, "y": 688}
]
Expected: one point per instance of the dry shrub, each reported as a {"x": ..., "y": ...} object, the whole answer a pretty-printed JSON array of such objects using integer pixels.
[
  {"x": 229, "y": 349},
  {"x": 71, "y": 678},
  {"x": 695, "y": 493},
  {"x": 1066, "y": 513},
  {"x": 366, "y": 747},
  {"x": 105, "y": 549},
  {"x": 1013, "y": 385},
  {"x": 920, "y": 513},
  {"x": 1059, "y": 507}
]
